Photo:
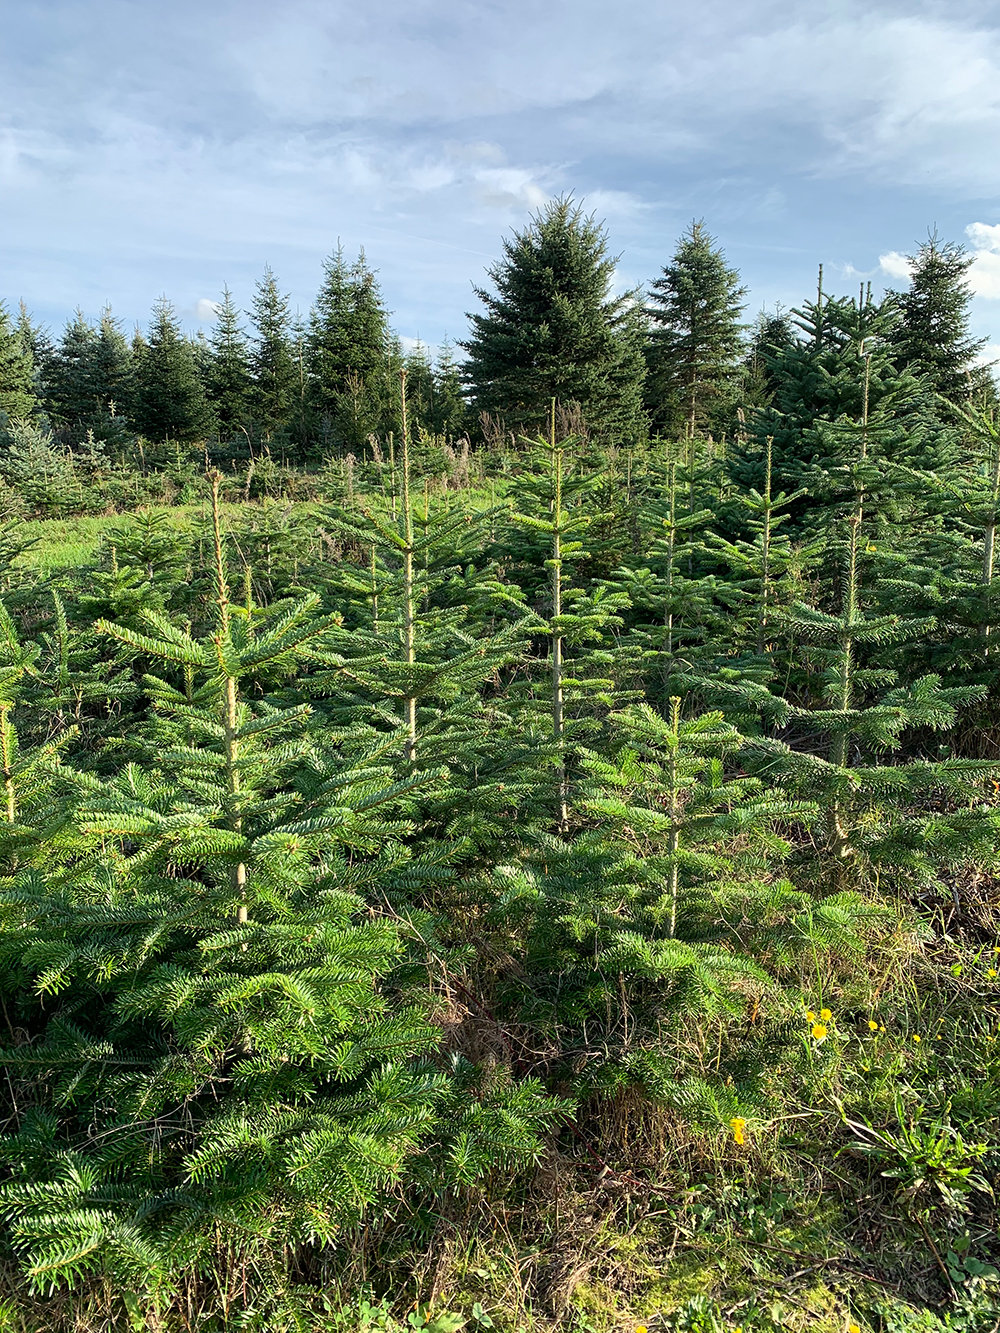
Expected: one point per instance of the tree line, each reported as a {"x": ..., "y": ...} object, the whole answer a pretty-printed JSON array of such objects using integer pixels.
[{"x": 676, "y": 360}]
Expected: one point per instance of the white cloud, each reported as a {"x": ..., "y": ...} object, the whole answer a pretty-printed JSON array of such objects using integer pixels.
[
  {"x": 984, "y": 275},
  {"x": 896, "y": 266},
  {"x": 205, "y": 310},
  {"x": 509, "y": 187},
  {"x": 983, "y": 236},
  {"x": 848, "y": 272}
]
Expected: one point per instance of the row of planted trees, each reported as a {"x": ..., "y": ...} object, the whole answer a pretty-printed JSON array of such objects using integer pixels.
[{"x": 340, "y": 891}]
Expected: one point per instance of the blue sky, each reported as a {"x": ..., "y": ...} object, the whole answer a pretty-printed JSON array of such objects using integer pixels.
[{"x": 177, "y": 147}]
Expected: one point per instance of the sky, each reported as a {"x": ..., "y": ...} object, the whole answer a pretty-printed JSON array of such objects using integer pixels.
[{"x": 174, "y": 148}]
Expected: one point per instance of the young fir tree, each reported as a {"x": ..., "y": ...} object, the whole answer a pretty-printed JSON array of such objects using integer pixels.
[
  {"x": 554, "y": 507},
  {"x": 348, "y": 353},
  {"x": 696, "y": 338},
  {"x": 114, "y": 383},
  {"x": 30, "y": 772},
  {"x": 412, "y": 651},
  {"x": 170, "y": 397},
  {"x": 420, "y": 389},
  {"x": 762, "y": 567},
  {"x": 841, "y": 345},
  {"x": 659, "y": 911},
  {"x": 273, "y": 365},
  {"x": 670, "y": 597},
  {"x": 553, "y": 329},
  {"x": 228, "y": 377},
  {"x": 942, "y": 564},
  {"x": 933, "y": 335},
  {"x": 864, "y": 712},
  {"x": 199, "y": 933},
  {"x": 43, "y": 473},
  {"x": 18, "y": 398}
]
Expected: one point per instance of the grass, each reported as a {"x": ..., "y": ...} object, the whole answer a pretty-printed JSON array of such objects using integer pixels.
[
  {"x": 60, "y": 543},
  {"x": 67, "y": 543}
]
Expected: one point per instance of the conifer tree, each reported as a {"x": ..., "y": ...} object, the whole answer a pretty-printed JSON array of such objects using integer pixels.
[
  {"x": 865, "y": 710},
  {"x": 29, "y": 772},
  {"x": 272, "y": 360},
  {"x": 933, "y": 335},
  {"x": 942, "y": 564},
  {"x": 348, "y": 352},
  {"x": 449, "y": 411},
  {"x": 247, "y": 1054},
  {"x": 73, "y": 392},
  {"x": 170, "y": 398},
  {"x": 413, "y": 658},
  {"x": 38, "y": 342},
  {"x": 420, "y": 389},
  {"x": 554, "y": 509},
  {"x": 696, "y": 338},
  {"x": 670, "y": 601},
  {"x": 17, "y": 385},
  {"x": 229, "y": 370},
  {"x": 840, "y": 345},
  {"x": 114, "y": 383},
  {"x": 770, "y": 335},
  {"x": 766, "y": 574},
  {"x": 630, "y": 918},
  {"x": 553, "y": 329}
]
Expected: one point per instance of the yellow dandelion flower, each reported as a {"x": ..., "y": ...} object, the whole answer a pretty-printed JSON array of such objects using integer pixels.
[
  {"x": 938, "y": 1037},
  {"x": 825, "y": 1015},
  {"x": 819, "y": 1031},
  {"x": 991, "y": 972},
  {"x": 853, "y": 1328},
  {"x": 872, "y": 1025},
  {"x": 810, "y": 1016},
  {"x": 916, "y": 1036},
  {"x": 882, "y": 1028},
  {"x": 641, "y": 1328},
  {"x": 739, "y": 1125}
]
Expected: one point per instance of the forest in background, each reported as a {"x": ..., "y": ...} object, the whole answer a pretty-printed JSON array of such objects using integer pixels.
[{"x": 506, "y": 842}]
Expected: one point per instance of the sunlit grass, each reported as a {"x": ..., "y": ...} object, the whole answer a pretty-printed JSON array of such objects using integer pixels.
[{"x": 64, "y": 543}]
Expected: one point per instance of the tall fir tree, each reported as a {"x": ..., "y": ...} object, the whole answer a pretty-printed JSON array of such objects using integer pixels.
[
  {"x": 114, "y": 381},
  {"x": 933, "y": 335},
  {"x": 770, "y": 336},
  {"x": 421, "y": 388},
  {"x": 17, "y": 382},
  {"x": 450, "y": 410},
  {"x": 696, "y": 337},
  {"x": 229, "y": 370},
  {"x": 72, "y": 394},
  {"x": 170, "y": 399},
  {"x": 349, "y": 351},
  {"x": 552, "y": 328},
  {"x": 89, "y": 381},
  {"x": 272, "y": 359},
  {"x": 37, "y": 341}
]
